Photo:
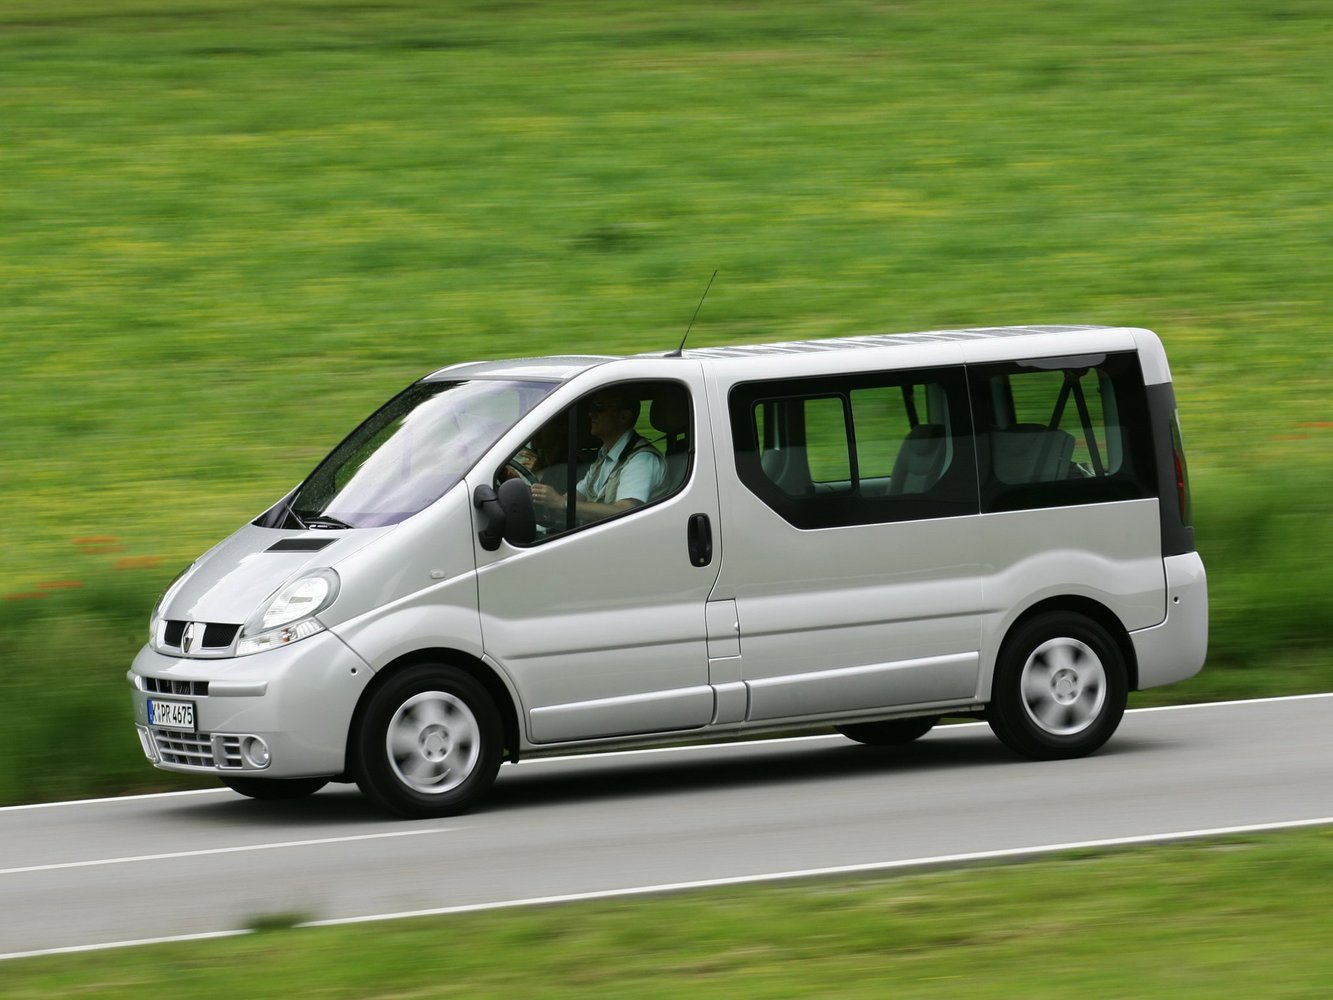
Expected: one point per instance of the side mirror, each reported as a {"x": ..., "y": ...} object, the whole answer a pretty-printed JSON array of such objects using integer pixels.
[{"x": 506, "y": 513}]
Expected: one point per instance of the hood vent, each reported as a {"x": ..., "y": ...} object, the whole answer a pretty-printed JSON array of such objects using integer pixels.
[{"x": 300, "y": 544}]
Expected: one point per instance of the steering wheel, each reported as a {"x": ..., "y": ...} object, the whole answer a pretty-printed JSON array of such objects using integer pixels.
[{"x": 521, "y": 470}]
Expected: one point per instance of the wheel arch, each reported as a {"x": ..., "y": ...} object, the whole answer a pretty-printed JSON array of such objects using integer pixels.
[
  {"x": 1088, "y": 608},
  {"x": 477, "y": 669}
]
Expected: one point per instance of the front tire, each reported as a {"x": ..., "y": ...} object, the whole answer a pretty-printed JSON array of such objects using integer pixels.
[
  {"x": 1060, "y": 687},
  {"x": 274, "y": 789},
  {"x": 429, "y": 742}
]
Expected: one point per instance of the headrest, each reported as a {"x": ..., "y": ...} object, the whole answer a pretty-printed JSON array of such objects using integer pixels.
[{"x": 670, "y": 413}]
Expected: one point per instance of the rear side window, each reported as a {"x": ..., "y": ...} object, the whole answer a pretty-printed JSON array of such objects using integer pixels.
[
  {"x": 1055, "y": 432},
  {"x": 857, "y": 449}
]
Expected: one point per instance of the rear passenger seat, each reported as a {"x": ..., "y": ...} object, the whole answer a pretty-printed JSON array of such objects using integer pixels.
[
  {"x": 920, "y": 461},
  {"x": 1031, "y": 453}
]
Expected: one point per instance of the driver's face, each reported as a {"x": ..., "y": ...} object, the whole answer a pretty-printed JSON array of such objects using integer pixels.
[{"x": 606, "y": 416}]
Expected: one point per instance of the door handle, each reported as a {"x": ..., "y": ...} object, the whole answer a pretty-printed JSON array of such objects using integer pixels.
[{"x": 700, "y": 536}]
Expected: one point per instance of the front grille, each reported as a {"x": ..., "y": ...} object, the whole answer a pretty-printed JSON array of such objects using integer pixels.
[
  {"x": 165, "y": 685},
  {"x": 217, "y": 635},
  {"x": 197, "y": 749},
  {"x": 190, "y": 749},
  {"x": 227, "y": 751}
]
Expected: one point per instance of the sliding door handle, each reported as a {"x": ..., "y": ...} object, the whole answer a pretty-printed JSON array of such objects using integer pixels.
[{"x": 700, "y": 535}]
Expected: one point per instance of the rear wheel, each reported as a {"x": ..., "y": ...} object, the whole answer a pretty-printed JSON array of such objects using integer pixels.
[
  {"x": 891, "y": 732},
  {"x": 429, "y": 742},
  {"x": 1060, "y": 687},
  {"x": 274, "y": 789}
]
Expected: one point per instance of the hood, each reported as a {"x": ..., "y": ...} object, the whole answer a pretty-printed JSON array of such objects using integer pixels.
[{"x": 229, "y": 581}]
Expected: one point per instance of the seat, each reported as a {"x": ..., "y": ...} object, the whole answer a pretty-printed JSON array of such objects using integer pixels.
[
  {"x": 1031, "y": 453},
  {"x": 920, "y": 461},
  {"x": 669, "y": 413}
]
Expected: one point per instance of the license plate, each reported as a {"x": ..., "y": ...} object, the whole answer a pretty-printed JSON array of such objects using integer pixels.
[{"x": 171, "y": 714}]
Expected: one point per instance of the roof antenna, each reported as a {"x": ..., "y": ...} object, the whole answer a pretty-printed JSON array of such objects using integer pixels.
[{"x": 679, "y": 351}]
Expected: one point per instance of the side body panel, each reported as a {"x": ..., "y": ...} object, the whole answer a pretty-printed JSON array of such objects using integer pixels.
[
  {"x": 419, "y": 584},
  {"x": 846, "y": 620},
  {"x": 849, "y": 620},
  {"x": 1108, "y": 553}
]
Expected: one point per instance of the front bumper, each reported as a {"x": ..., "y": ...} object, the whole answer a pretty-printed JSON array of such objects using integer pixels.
[{"x": 296, "y": 701}]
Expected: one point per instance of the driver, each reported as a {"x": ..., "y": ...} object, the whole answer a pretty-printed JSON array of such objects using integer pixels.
[{"x": 627, "y": 471}]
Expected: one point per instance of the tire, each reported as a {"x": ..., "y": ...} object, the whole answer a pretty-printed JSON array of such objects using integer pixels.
[
  {"x": 891, "y": 732},
  {"x": 429, "y": 742},
  {"x": 1060, "y": 687},
  {"x": 274, "y": 789}
]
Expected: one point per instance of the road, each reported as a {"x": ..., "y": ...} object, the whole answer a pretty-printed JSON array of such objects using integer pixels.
[{"x": 111, "y": 871}]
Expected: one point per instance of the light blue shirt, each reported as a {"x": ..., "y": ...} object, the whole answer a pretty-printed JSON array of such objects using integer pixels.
[{"x": 639, "y": 477}]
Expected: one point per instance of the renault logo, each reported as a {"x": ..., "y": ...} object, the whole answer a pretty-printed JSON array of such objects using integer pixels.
[{"x": 187, "y": 637}]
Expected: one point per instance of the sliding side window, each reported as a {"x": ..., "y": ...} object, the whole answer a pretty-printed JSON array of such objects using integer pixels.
[{"x": 856, "y": 449}]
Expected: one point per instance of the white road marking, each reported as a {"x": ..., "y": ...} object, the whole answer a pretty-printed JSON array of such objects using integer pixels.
[
  {"x": 945, "y": 860},
  {"x": 80, "y": 948},
  {"x": 206, "y": 852},
  {"x": 114, "y": 798},
  {"x": 1232, "y": 704}
]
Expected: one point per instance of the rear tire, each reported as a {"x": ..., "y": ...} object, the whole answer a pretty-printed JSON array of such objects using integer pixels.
[
  {"x": 1060, "y": 687},
  {"x": 274, "y": 789},
  {"x": 429, "y": 743},
  {"x": 889, "y": 733}
]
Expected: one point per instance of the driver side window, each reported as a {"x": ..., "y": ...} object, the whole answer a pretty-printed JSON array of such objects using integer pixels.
[{"x": 623, "y": 446}]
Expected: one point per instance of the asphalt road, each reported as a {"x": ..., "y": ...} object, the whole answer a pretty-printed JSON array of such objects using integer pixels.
[{"x": 111, "y": 871}]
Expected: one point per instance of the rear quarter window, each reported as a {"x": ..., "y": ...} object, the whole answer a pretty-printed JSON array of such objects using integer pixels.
[{"x": 1062, "y": 431}]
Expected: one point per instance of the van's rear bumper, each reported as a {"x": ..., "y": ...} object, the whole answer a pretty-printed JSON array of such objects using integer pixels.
[{"x": 1176, "y": 649}]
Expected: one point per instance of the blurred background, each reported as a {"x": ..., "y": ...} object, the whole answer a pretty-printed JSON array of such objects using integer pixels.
[{"x": 229, "y": 229}]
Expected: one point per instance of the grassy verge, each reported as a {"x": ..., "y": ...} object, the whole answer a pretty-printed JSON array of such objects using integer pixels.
[{"x": 1233, "y": 918}]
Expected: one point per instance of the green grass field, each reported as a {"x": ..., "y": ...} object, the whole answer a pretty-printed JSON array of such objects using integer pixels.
[
  {"x": 229, "y": 228},
  {"x": 1235, "y": 918}
]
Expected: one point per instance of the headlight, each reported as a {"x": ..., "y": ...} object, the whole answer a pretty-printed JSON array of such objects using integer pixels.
[{"x": 288, "y": 615}]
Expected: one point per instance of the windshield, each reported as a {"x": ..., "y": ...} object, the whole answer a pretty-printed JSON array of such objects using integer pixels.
[{"x": 410, "y": 452}]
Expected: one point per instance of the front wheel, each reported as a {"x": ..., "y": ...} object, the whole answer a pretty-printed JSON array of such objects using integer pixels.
[
  {"x": 1060, "y": 687},
  {"x": 429, "y": 742},
  {"x": 274, "y": 789}
]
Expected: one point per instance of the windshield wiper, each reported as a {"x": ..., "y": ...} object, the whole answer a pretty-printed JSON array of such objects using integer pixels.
[{"x": 324, "y": 521}]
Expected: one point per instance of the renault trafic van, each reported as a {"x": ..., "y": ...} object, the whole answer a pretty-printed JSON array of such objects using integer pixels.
[{"x": 513, "y": 559}]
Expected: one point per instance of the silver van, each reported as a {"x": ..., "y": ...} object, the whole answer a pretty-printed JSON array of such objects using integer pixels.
[{"x": 514, "y": 559}]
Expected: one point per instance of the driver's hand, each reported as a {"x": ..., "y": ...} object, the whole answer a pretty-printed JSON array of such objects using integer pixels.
[{"x": 546, "y": 496}]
